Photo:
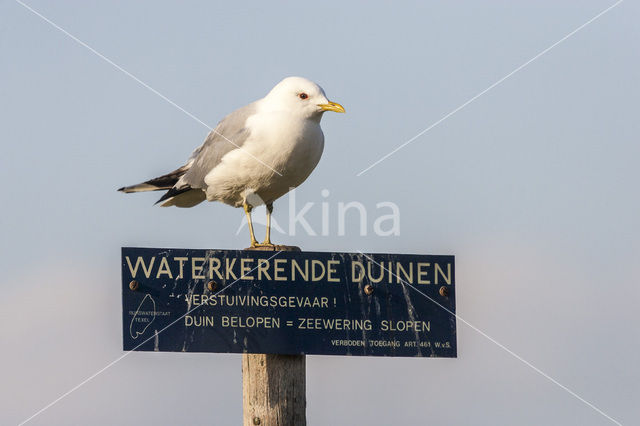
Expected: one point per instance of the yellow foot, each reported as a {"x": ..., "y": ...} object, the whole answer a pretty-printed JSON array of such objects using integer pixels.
[
  {"x": 272, "y": 247},
  {"x": 256, "y": 244}
]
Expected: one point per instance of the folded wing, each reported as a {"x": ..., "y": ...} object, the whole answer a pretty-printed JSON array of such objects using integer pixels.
[{"x": 186, "y": 186}]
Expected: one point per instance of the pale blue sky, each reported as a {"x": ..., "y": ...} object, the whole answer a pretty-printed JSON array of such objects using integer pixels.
[{"x": 533, "y": 187}]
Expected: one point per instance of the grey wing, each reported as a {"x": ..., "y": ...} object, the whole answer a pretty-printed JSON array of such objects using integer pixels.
[{"x": 230, "y": 134}]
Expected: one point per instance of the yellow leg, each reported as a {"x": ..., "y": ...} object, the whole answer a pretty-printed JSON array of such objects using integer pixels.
[
  {"x": 247, "y": 211},
  {"x": 267, "y": 238}
]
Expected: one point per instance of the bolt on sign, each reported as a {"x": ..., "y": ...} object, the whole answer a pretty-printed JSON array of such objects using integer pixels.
[{"x": 238, "y": 301}]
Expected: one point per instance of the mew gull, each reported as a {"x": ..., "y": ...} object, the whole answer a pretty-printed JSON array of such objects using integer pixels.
[{"x": 255, "y": 155}]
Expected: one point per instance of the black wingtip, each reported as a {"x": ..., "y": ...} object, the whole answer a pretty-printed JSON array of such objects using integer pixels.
[
  {"x": 121, "y": 189},
  {"x": 172, "y": 193}
]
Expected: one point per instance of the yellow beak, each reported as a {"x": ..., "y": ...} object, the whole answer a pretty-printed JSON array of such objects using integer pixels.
[{"x": 332, "y": 106}]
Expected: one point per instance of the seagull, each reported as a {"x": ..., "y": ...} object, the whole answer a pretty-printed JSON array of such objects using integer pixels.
[{"x": 254, "y": 156}]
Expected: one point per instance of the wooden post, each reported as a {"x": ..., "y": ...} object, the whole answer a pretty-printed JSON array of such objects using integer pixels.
[
  {"x": 274, "y": 390},
  {"x": 274, "y": 386}
]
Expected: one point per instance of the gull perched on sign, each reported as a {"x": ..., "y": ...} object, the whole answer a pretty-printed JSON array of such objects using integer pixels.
[{"x": 255, "y": 155}]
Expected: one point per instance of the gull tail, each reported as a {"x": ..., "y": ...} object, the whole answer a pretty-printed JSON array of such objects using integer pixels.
[
  {"x": 185, "y": 196},
  {"x": 163, "y": 182}
]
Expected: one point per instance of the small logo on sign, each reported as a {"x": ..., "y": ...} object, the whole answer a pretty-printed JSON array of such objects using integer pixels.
[{"x": 143, "y": 317}]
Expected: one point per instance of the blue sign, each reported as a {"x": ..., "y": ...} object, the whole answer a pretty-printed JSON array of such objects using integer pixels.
[{"x": 240, "y": 301}]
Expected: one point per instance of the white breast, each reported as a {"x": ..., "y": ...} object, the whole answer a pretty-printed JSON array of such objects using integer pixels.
[{"x": 278, "y": 143}]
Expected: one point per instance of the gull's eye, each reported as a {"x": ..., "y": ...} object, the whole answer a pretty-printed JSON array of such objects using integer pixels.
[{"x": 303, "y": 96}]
